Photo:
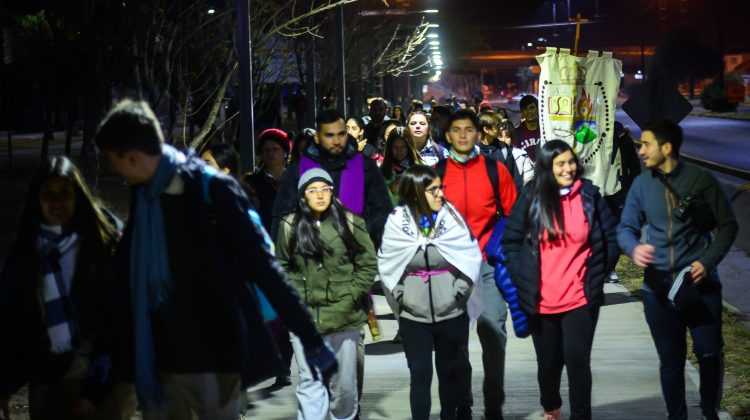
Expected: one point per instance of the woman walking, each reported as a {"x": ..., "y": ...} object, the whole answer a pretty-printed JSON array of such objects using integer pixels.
[
  {"x": 560, "y": 247},
  {"x": 53, "y": 293},
  {"x": 329, "y": 258},
  {"x": 430, "y": 263},
  {"x": 400, "y": 155}
]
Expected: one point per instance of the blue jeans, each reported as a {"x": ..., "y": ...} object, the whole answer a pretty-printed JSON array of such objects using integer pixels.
[{"x": 668, "y": 327}]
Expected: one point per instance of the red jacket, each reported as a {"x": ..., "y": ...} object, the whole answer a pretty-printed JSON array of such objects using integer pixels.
[{"x": 468, "y": 187}]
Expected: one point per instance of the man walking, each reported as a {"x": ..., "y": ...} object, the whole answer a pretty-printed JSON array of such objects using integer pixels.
[
  {"x": 680, "y": 204},
  {"x": 528, "y": 135},
  {"x": 187, "y": 327},
  {"x": 475, "y": 184},
  {"x": 357, "y": 180}
]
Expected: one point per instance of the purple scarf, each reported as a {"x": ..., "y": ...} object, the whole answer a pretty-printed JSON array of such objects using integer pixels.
[{"x": 351, "y": 192}]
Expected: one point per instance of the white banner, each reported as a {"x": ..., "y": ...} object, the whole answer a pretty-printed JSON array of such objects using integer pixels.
[{"x": 577, "y": 101}]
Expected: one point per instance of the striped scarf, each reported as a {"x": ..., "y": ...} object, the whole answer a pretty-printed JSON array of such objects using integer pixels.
[{"x": 58, "y": 250}]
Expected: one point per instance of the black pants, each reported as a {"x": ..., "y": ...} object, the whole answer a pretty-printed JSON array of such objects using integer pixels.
[
  {"x": 446, "y": 338},
  {"x": 565, "y": 339},
  {"x": 668, "y": 331}
]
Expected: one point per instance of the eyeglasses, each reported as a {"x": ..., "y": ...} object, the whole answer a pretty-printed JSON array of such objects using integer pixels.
[
  {"x": 434, "y": 190},
  {"x": 315, "y": 191}
]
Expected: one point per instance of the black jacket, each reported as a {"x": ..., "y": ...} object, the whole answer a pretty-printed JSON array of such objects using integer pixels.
[
  {"x": 521, "y": 250},
  {"x": 212, "y": 321},
  {"x": 265, "y": 193},
  {"x": 377, "y": 201},
  {"x": 24, "y": 352}
]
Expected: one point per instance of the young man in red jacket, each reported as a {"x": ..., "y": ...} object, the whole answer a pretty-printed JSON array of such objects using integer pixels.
[{"x": 469, "y": 186}]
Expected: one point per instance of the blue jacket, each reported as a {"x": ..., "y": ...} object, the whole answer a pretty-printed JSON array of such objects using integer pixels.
[{"x": 677, "y": 243}]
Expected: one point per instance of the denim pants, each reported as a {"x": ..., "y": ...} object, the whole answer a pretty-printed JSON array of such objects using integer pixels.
[
  {"x": 446, "y": 338},
  {"x": 668, "y": 327},
  {"x": 492, "y": 337},
  {"x": 340, "y": 398}
]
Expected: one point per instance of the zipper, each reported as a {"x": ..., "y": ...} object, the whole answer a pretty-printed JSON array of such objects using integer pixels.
[
  {"x": 429, "y": 284},
  {"x": 466, "y": 192},
  {"x": 669, "y": 200}
]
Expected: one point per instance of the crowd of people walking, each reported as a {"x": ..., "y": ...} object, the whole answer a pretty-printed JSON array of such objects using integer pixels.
[{"x": 219, "y": 279}]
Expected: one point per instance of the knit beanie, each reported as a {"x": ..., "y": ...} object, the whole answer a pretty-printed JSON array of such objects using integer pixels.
[
  {"x": 310, "y": 176},
  {"x": 279, "y": 136}
]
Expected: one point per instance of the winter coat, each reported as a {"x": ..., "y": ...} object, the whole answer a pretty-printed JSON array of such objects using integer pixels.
[
  {"x": 521, "y": 249},
  {"x": 377, "y": 203},
  {"x": 333, "y": 290}
]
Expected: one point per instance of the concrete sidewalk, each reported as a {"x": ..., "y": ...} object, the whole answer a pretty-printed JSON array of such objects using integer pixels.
[{"x": 624, "y": 366}]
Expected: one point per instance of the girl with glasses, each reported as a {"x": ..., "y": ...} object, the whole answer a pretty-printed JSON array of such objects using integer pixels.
[
  {"x": 330, "y": 260},
  {"x": 430, "y": 263}
]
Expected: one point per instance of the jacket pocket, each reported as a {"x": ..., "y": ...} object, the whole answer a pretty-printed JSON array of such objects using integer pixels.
[
  {"x": 444, "y": 294},
  {"x": 416, "y": 297},
  {"x": 338, "y": 289}
]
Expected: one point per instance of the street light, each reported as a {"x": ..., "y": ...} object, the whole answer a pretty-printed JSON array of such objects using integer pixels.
[
  {"x": 211, "y": 11},
  {"x": 432, "y": 35},
  {"x": 434, "y": 42}
]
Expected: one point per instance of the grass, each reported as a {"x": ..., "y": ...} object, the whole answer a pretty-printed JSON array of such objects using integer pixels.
[{"x": 736, "y": 399}]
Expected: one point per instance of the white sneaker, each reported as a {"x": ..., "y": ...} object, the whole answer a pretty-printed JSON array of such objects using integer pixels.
[{"x": 613, "y": 277}]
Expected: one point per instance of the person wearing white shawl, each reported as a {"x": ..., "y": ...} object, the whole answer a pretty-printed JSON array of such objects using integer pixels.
[{"x": 430, "y": 262}]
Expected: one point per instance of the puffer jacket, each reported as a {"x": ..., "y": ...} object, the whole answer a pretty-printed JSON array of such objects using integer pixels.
[
  {"x": 521, "y": 249},
  {"x": 333, "y": 290}
]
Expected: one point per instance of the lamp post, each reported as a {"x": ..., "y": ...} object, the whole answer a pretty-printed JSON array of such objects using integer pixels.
[{"x": 244, "y": 49}]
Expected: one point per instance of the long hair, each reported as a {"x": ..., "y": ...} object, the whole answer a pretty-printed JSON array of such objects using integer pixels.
[
  {"x": 398, "y": 133},
  {"x": 412, "y": 190},
  {"x": 305, "y": 239},
  {"x": 89, "y": 220},
  {"x": 307, "y": 135},
  {"x": 545, "y": 210}
]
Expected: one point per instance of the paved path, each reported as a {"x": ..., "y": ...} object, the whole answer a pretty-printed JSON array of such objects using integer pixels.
[{"x": 624, "y": 366}]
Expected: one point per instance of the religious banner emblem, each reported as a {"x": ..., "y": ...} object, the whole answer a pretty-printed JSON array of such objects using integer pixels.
[{"x": 577, "y": 101}]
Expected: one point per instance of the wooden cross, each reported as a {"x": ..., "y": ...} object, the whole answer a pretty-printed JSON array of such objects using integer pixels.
[{"x": 578, "y": 20}]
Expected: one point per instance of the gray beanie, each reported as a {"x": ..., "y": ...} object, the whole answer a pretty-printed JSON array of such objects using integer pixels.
[{"x": 310, "y": 176}]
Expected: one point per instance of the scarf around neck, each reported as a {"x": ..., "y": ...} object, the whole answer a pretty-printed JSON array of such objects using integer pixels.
[
  {"x": 58, "y": 251},
  {"x": 150, "y": 279},
  {"x": 462, "y": 159},
  {"x": 402, "y": 239},
  {"x": 351, "y": 190}
]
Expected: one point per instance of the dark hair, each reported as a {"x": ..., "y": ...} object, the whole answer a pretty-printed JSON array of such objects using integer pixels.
[
  {"x": 360, "y": 122},
  {"x": 89, "y": 221},
  {"x": 306, "y": 135},
  {"x": 305, "y": 239},
  {"x": 488, "y": 119},
  {"x": 226, "y": 157},
  {"x": 383, "y": 127},
  {"x": 393, "y": 113},
  {"x": 528, "y": 100},
  {"x": 441, "y": 110},
  {"x": 128, "y": 126},
  {"x": 398, "y": 133},
  {"x": 465, "y": 114},
  {"x": 666, "y": 131},
  {"x": 328, "y": 116},
  {"x": 545, "y": 211},
  {"x": 412, "y": 189}
]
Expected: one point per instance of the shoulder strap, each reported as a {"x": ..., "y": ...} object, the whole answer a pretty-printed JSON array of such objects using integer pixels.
[
  {"x": 663, "y": 180},
  {"x": 491, "y": 166},
  {"x": 440, "y": 168}
]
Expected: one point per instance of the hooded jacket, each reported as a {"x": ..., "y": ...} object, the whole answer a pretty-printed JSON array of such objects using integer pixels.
[{"x": 522, "y": 255}]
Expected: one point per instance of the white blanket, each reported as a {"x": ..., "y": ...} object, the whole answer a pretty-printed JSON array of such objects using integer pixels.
[{"x": 402, "y": 240}]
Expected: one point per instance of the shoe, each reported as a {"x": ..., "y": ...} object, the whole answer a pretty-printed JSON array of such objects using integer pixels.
[
  {"x": 555, "y": 414},
  {"x": 283, "y": 380},
  {"x": 463, "y": 413},
  {"x": 492, "y": 415},
  {"x": 397, "y": 339},
  {"x": 613, "y": 278}
]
